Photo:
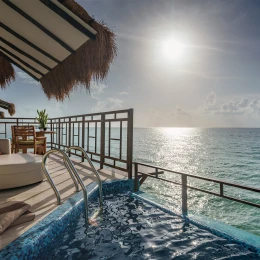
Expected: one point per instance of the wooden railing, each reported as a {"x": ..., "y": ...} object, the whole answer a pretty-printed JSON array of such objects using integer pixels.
[
  {"x": 107, "y": 137},
  {"x": 143, "y": 171}
]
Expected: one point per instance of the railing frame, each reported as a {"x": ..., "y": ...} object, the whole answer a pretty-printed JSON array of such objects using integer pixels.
[
  {"x": 83, "y": 122},
  {"x": 184, "y": 184}
]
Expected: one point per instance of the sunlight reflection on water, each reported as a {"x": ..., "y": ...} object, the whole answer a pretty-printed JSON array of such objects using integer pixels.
[{"x": 228, "y": 154}]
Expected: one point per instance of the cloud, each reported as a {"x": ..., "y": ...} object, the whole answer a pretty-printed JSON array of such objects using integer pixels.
[
  {"x": 210, "y": 48},
  {"x": 104, "y": 104},
  {"x": 114, "y": 102},
  {"x": 179, "y": 112},
  {"x": 123, "y": 93},
  {"x": 97, "y": 89},
  {"x": 210, "y": 102},
  {"x": 209, "y": 76},
  {"x": 242, "y": 106},
  {"x": 26, "y": 78},
  {"x": 111, "y": 103},
  {"x": 211, "y": 106}
]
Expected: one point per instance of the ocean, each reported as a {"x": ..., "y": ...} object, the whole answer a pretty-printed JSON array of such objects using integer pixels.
[{"x": 229, "y": 154}]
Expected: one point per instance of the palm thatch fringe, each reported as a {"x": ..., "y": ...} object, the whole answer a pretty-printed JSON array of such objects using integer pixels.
[
  {"x": 11, "y": 109},
  {"x": 2, "y": 114},
  {"x": 8, "y": 106},
  {"x": 90, "y": 62},
  {"x": 7, "y": 73}
]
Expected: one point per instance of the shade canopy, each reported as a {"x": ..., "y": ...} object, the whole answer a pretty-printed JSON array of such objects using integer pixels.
[{"x": 56, "y": 42}]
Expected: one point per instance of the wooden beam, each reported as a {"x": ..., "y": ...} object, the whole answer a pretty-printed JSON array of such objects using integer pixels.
[
  {"x": 24, "y": 53},
  {"x": 38, "y": 25},
  {"x": 21, "y": 61},
  {"x": 152, "y": 173},
  {"x": 143, "y": 176},
  {"x": 69, "y": 19},
  {"x": 20, "y": 37},
  {"x": 143, "y": 179},
  {"x": 20, "y": 67}
]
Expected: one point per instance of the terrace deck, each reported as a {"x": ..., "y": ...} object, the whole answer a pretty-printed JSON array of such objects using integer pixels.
[{"x": 42, "y": 197}]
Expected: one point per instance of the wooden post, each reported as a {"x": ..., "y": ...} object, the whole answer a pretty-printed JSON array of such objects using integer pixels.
[
  {"x": 59, "y": 133},
  {"x": 51, "y": 134},
  {"x": 83, "y": 137},
  {"x": 130, "y": 126},
  {"x": 102, "y": 140},
  {"x": 136, "y": 177},
  {"x": 69, "y": 135},
  {"x": 184, "y": 194},
  {"x": 221, "y": 189}
]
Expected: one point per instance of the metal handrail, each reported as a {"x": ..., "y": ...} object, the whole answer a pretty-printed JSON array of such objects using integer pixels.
[
  {"x": 69, "y": 165},
  {"x": 94, "y": 170},
  {"x": 185, "y": 186}
]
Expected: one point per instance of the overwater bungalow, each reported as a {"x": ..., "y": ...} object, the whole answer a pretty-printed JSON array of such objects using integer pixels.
[{"x": 73, "y": 190}]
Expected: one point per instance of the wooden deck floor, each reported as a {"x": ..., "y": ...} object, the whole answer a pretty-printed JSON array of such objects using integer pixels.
[{"x": 42, "y": 197}]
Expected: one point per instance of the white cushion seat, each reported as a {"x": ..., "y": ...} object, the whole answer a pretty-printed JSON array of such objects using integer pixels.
[{"x": 18, "y": 170}]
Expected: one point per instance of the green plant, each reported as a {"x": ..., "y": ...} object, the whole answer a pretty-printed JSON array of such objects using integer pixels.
[{"x": 42, "y": 118}]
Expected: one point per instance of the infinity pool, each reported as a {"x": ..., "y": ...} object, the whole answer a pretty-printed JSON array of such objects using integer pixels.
[{"x": 130, "y": 228}]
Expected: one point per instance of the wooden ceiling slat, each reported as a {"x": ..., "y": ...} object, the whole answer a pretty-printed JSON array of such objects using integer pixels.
[
  {"x": 20, "y": 67},
  {"x": 21, "y": 61},
  {"x": 20, "y": 37},
  {"x": 38, "y": 25},
  {"x": 24, "y": 53},
  {"x": 69, "y": 19}
]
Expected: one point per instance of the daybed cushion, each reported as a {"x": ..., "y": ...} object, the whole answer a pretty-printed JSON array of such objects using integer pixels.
[
  {"x": 5, "y": 146},
  {"x": 18, "y": 170}
]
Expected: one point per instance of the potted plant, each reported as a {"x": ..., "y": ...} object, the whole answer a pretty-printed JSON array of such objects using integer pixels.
[{"x": 42, "y": 119}]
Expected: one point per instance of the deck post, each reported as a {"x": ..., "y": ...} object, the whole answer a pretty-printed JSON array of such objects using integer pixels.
[
  {"x": 136, "y": 177},
  {"x": 184, "y": 194},
  {"x": 6, "y": 133},
  {"x": 83, "y": 137},
  {"x": 51, "y": 134},
  {"x": 69, "y": 145},
  {"x": 59, "y": 134},
  {"x": 130, "y": 125},
  {"x": 102, "y": 140}
]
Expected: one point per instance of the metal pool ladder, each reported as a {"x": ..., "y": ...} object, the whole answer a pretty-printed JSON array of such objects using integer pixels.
[{"x": 74, "y": 176}]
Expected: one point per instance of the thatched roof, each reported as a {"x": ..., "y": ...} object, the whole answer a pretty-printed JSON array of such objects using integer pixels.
[
  {"x": 90, "y": 61},
  {"x": 8, "y": 106},
  {"x": 7, "y": 73}
]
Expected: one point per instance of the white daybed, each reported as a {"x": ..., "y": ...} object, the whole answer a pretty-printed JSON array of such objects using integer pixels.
[{"x": 18, "y": 170}]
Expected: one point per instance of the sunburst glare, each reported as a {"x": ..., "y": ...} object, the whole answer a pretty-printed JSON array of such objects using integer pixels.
[{"x": 174, "y": 49}]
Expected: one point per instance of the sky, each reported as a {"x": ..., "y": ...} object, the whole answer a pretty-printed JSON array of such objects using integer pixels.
[{"x": 180, "y": 63}]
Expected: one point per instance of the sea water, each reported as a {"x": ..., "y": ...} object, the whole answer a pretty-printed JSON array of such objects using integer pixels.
[{"x": 226, "y": 154}]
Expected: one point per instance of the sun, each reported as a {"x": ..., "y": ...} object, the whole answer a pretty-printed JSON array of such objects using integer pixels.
[{"x": 173, "y": 50}]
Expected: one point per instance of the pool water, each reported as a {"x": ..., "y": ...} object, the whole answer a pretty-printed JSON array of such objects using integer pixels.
[{"x": 130, "y": 228}]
